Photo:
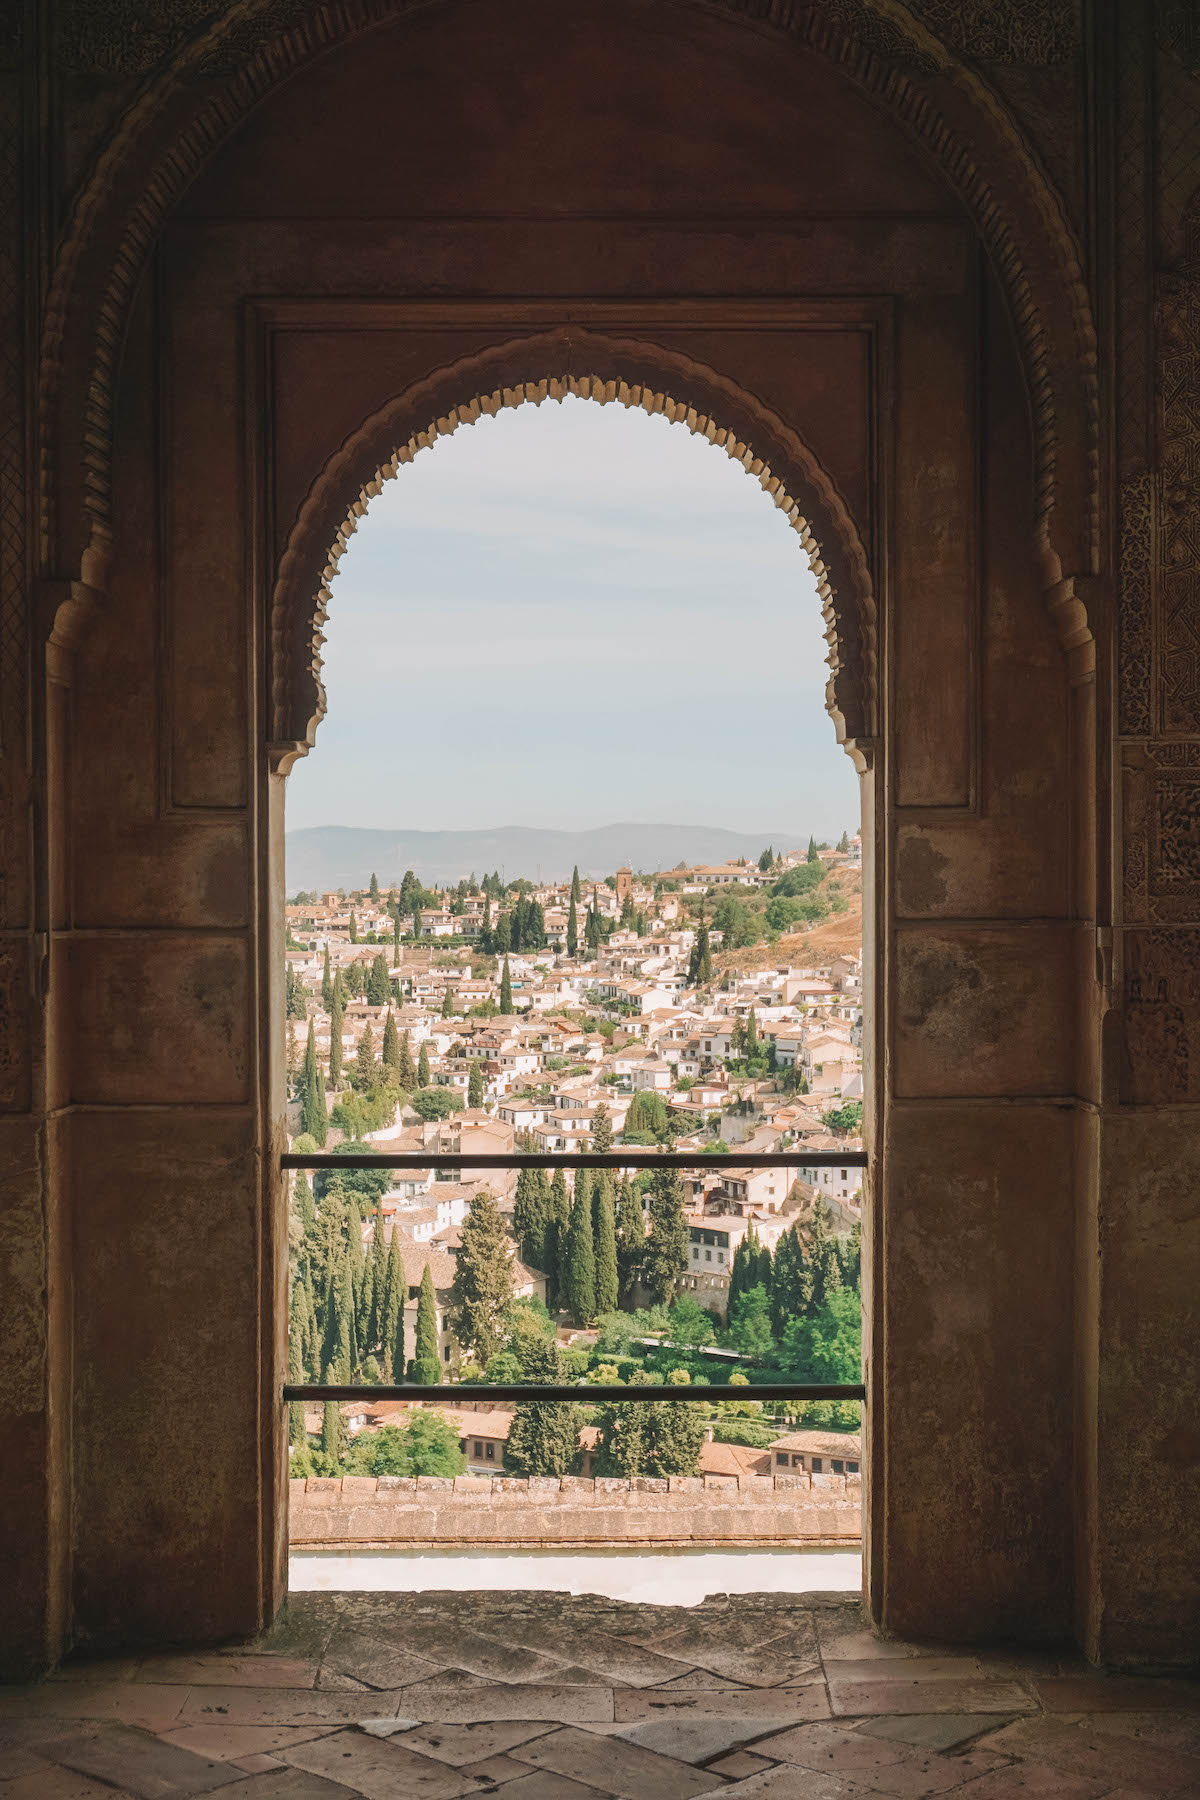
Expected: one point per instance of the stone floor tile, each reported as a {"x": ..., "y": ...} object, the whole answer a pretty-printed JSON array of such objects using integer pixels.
[
  {"x": 851, "y": 1698},
  {"x": 689, "y": 1739},
  {"x": 857, "y": 1644},
  {"x": 1036, "y": 1781},
  {"x": 701, "y": 1678},
  {"x": 1080, "y": 1750},
  {"x": 140, "y": 1764},
  {"x": 739, "y": 1763},
  {"x": 20, "y": 1759},
  {"x": 768, "y": 1706},
  {"x": 930, "y": 1731},
  {"x": 493, "y": 1658},
  {"x": 97, "y": 1668},
  {"x": 229, "y": 1742},
  {"x": 496, "y": 1769},
  {"x": 227, "y": 1671},
  {"x": 380, "y": 1770},
  {"x": 784, "y": 1781},
  {"x": 912, "y": 1668},
  {"x": 443, "y": 1702},
  {"x": 288, "y": 1784},
  {"x": 624, "y": 1664},
  {"x": 1132, "y": 1693},
  {"x": 831, "y": 1748},
  {"x": 617, "y": 1767},
  {"x": 152, "y": 1706},
  {"x": 257, "y": 1764},
  {"x": 470, "y": 1743},
  {"x": 285, "y": 1706},
  {"x": 739, "y": 1648},
  {"x": 1172, "y": 1731},
  {"x": 922, "y": 1776},
  {"x": 374, "y": 1660},
  {"x": 61, "y": 1784},
  {"x": 544, "y": 1784},
  {"x": 341, "y": 1684}
]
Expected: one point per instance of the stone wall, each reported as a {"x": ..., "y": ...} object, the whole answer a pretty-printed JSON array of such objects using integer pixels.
[{"x": 508, "y": 1511}]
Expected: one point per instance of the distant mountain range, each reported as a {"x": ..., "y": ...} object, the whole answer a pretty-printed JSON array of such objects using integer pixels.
[{"x": 342, "y": 856}]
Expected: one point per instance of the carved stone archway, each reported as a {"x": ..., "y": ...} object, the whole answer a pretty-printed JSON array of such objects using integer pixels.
[{"x": 631, "y": 374}]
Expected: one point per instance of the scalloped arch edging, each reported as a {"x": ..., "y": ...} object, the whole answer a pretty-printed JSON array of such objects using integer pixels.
[{"x": 846, "y": 697}]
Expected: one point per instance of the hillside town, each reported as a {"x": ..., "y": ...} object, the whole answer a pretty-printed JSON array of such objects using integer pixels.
[{"x": 712, "y": 1009}]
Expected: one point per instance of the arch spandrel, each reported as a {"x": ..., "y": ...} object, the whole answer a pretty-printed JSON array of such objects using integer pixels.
[
  {"x": 634, "y": 375},
  {"x": 190, "y": 107}
]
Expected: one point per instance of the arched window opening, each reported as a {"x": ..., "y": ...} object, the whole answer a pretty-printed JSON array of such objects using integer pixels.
[{"x": 576, "y": 869}]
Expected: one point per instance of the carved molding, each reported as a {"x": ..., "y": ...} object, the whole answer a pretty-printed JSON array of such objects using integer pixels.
[
  {"x": 483, "y": 384},
  {"x": 182, "y": 115}
]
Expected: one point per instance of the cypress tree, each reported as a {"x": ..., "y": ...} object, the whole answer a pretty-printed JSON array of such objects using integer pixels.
[
  {"x": 390, "y": 1054},
  {"x": 337, "y": 1019},
  {"x": 374, "y": 1334},
  {"x": 752, "y": 1034},
  {"x": 306, "y": 1210},
  {"x": 366, "y": 1071},
  {"x": 378, "y": 983},
  {"x": 631, "y": 1239},
  {"x": 326, "y": 984},
  {"x": 397, "y": 1339},
  {"x": 475, "y": 1083},
  {"x": 602, "y": 1131},
  {"x": 423, "y": 1067},
  {"x": 313, "y": 1117},
  {"x": 664, "y": 1258},
  {"x": 573, "y": 929},
  {"x": 543, "y": 1438},
  {"x": 506, "y": 990},
  {"x": 427, "y": 1364},
  {"x": 607, "y": 1283},
  {"x": 391, "y": 1306},
  {"x": 447, "y": 1005},
  {"x": 297, "y": 1435},
  {"x": 333, "y": 1436},
  {"x": 482, "y": 1285},
  {"x": 353, "y": 929},
  {"x": 557, "y": 1232},
  {"x": 374, "y": 885},
  {"x": 408, "y": 1074},
  {"x": 575, "y": 888},
  {"x": 812, "y": 856},
  {"x": 581, "y": 1255}
]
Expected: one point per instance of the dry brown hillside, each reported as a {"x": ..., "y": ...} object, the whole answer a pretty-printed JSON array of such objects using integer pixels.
[{"x": 839, "y": 935}]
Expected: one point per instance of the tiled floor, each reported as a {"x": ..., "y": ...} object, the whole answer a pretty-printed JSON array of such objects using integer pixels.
[{"x": 549, "y": 1697}]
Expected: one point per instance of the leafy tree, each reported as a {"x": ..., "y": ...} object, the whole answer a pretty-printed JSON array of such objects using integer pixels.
[
  {"x": 664, "y": 1258},
  {"x": 475, "y": 1083},
  {"x": 607, "y": 1291},
  {"x": 631, "y": 1240},
  {"x": 827, "y": 1346},
  {"x": 482, "y": 1286},
  {"x": 655, "y": 1437},
  {"x": 689, "y": 1323},
  {"x": 435, "y": 1103},
  {"x": 426, "y": 1365},
  {"x": 506, "y": 1000},
  {"x": 543, "y": 1438},
  {"x": 581, "y": 1257},
  {"x": 423, "y": 1067},
  {"x": 504, "y": 1369},
  {"x": 846, "y": 1118},
  {"x": 647, "y": 1113},
  {"x": 366, "y": 1069},
  {"x": 750, "y": 1323},
  {"x": 427, "y": 1445}
]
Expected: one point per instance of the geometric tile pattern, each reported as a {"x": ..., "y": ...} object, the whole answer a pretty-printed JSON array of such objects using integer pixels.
[{"x": 537, "y": 1696}]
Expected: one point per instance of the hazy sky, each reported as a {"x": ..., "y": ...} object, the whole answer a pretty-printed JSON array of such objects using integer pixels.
[{"x": 569, "y": 615}]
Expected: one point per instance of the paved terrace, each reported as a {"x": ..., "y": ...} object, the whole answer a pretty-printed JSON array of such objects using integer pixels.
[{"x": 544, "y": 1697}]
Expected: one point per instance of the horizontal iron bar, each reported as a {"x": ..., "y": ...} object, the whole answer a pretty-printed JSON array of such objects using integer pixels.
[
  {"x": 634, "y": 1159},
  {"x": 447, "y": 1394}
]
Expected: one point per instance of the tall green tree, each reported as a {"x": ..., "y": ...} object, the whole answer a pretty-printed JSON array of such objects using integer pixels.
[
  {"x": 447, "y": 1005},
  {"x": 374, "y": 889},
  {"x": 482, "y": 1286},
  {"x": 653, "y": 1437},
  {"x": 302, "y": 1198},
  {"x": 607, "y": 1278},
  {"x": 750, "y": 1323},
  {"x": 700, "y": 964},
  {"x": 576, "y": 890},
  {"x": 337, "y": 1020},
  {"x": 390, "y": 1053},
  {"x": 558, "y": 1229},
  {"x": 314, "y": 1118},
  {"x": 423, "y": 1067},
  {"x": 297, "y": 1333},
  {"x": 812, "y": 856},
  {"x": 581, "y": 1255},
  {"x": 664, "y": 1259},
  {"x": 407, "y": 1070},
  {"x": 353, "y": 929},
  {"x": 631, "y": 1239},
  {"x": 752, "y": 1034},
  {"x": 426, "y": 1365},
  {"x": 333, "y": 1436},
  {"x": 647, "y": 1114},
  {"x": 573, "y": 929},
  {"x": 326, "y": 984},
  {"x": 543, "y": 1438},
  {"x": 379, "y": 986},
  {"x": 475, "y": 1089},
  {"x": 531, "y": 1216},
  {"x": 391, "y": 1309},
  {"x": 602, "y": 1131},
  {"x": 366, "y": 1069},
  {"x": 506, "y": 1000}
]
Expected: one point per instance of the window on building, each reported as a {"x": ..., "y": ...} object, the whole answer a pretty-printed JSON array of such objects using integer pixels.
[
  {"x": 838, "y": 1467},
  {"x": 852, "y": 1468},
  {"x": 781, "y": 1460},
  {"x": 491, "y": 1452},
  {"x": 478, "y": 1448},
  {"x": 817, "y": 1465}
]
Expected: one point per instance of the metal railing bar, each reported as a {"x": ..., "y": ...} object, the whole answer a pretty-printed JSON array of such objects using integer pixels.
[
  {"x": 592, "y": 1392},
  {"x": 632, "y": 1159}
]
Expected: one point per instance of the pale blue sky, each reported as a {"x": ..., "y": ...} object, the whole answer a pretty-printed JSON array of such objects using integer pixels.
[{"x": 568, "y": 615}]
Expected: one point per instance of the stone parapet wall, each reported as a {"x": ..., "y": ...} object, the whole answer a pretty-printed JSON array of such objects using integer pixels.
[{"x": 510, "y": 1511}]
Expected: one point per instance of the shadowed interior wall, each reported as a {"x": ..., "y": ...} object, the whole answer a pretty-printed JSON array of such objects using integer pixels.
[{"x": 503, "y": 194}]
